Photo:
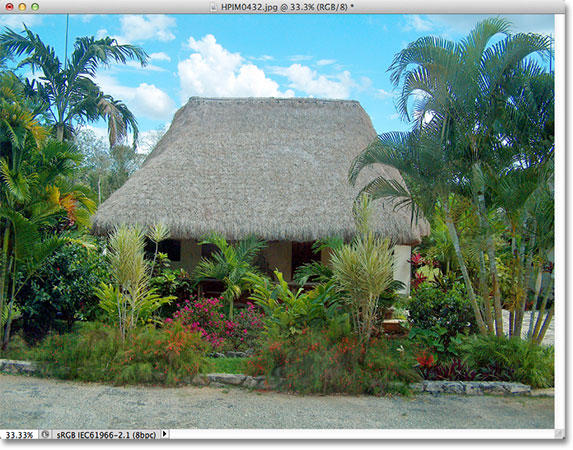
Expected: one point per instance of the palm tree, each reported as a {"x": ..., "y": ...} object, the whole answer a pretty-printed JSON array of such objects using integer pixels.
[
  {"x": 68, "y": 92},
  {"x": 231, "y": 264},
  {"x": 36, "y": 198},
  {"x": 454, "y": 94}
]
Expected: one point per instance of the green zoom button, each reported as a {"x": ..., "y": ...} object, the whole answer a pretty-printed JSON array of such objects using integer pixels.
[{"x": 35, "y": 7}]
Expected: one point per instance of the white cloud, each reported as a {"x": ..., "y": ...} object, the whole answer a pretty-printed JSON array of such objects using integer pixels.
[
  {"x": 136, "y": 28},
  {"x": 160, "y": 56},
  {"x": 99, "y": 132},
  {"x": 137, "y": 65},
  {"x": 304, "y": 79},
  {"x": 262, "y": 58},
  {"x": 381, "y": 93},
  {"x": 297, "y": 58},
  {"x": 325, "y": 62},
  {"x": 214, "y": 71},
  {"x": 416, "y": 23},
  {"x": 15, "y": 21},
  {"x": 144, "y": 100}
]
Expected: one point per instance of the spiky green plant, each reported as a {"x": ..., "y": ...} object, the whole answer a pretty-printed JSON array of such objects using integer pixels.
[
  {"x": 364, "y": 271},
  {"x": 230, "y": 264},
  {"x": 129, "y": 301}
]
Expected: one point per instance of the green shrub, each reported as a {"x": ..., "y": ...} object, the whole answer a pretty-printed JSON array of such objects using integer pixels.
[
  {"x": 430, "y": 307},
  {"x": 63, "y": 289},
  {"x": 335, "y": 361},
  {"x": 520, "y": 360},
  {"x": 96, "y": 352},
  {"x": 287, "y": 313}
]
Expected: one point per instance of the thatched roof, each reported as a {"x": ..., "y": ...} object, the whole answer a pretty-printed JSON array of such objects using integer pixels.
[{"x": 276, "y": 168}]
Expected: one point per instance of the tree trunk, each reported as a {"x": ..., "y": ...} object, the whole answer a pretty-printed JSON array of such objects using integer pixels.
[
  {"x": 4, "y": 273},
  {"x": 538, "y": 282},
  {"x": 456, "y": 242},
  {"x": 521, "y": 293},
  {"x": 60, "y": 132},
  {"x": 542, "y": 308},
  {"x": 492, "y": 267},
  {"x": 539, "y": 338},
  {"x": 484, "y": 292}
]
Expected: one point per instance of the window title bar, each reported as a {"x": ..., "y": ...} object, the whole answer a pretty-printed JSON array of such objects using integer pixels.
[{"x": 280, "y": 7}]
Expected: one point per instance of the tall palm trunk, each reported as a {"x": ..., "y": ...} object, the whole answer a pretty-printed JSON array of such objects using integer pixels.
[
  {"x": 544, "y": 328},
  {"x": 538, "y": 282},
  {"x": 542, "y": 308},
  {"x": 484, "y": 292},
  {"x": 492, "y": 266},
  {"x": 471, "y": 294},
  {"x": 522, "y": 289}
]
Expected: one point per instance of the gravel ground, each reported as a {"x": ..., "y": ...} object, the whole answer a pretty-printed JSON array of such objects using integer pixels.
[{"x": 34, "y": 403}]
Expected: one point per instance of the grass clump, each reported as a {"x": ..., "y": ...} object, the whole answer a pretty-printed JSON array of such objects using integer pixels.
[
  {"x": 519, "y": 360},
  {"x": 227, "y": 365},
  {"x": 324, "y": 362},
  {"x": 97, "y": 352}
]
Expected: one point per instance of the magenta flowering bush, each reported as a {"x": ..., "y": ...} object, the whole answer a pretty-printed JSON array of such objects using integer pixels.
[{"x": 205, "y": 315}]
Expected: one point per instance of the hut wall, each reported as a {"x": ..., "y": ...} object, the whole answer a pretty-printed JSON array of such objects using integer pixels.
[
  {"x": 190, "y": 255},
  {"x": 402, "y": 267},
  {"x": 278, "y": 255},
  {"x": 325, "y": 256}
]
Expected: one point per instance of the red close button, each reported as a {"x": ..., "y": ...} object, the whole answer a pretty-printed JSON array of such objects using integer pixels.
[{"x": 9, "y": 6}]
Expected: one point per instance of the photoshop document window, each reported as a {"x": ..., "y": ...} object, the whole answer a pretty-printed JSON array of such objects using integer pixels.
[{"x": 336, "y": 219}]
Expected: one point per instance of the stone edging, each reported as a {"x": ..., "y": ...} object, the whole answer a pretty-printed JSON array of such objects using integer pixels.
[
  {"x": 228, "y": 379},
  {"x": 470, "y": 387}
]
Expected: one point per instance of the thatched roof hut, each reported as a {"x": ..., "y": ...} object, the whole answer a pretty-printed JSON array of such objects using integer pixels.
[{"x": 276, "y": 168}]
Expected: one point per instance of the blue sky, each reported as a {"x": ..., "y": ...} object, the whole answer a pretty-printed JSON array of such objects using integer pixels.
[{"x": 322, "y": 56}]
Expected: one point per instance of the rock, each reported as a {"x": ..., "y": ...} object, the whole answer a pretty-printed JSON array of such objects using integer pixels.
[
  {"x": 547, "y": 392},
  {"x": 13, "y": 366},
  {"x": 250, "y": 382},
  {"x": 492, "y": 387},
  {"x": 434, "y": 387},
  {"x": 417, "y": 387},
  {"x": 518, "y": 388},
  {"x": 236, "y": 355},
  {"x": 453, "y": 387},
  {"x": 472, "y": 388},
  {"x": 200, "y": 380},
  {"x": 226, "y": 378}
]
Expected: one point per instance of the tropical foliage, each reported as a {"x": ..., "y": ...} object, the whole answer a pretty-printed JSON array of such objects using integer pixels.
[
  {"x": 230, "y": 263},
  {"x": 482, "y": 130},
  {"x": 66, "y": 92},
  {"x": 129, "y": 301}
]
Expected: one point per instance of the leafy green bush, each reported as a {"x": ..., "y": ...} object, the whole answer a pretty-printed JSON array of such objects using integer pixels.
[
  {"x": 288, "y": 313},
  {"x": 96, "y": 352},
  {"x": 520, "y": 360},
  {"x": 430, "y": 307},
  {"x": 63, "y": 289},
  {"x": 170, "y": 282},
  {"x": 334, "y": 360}
]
